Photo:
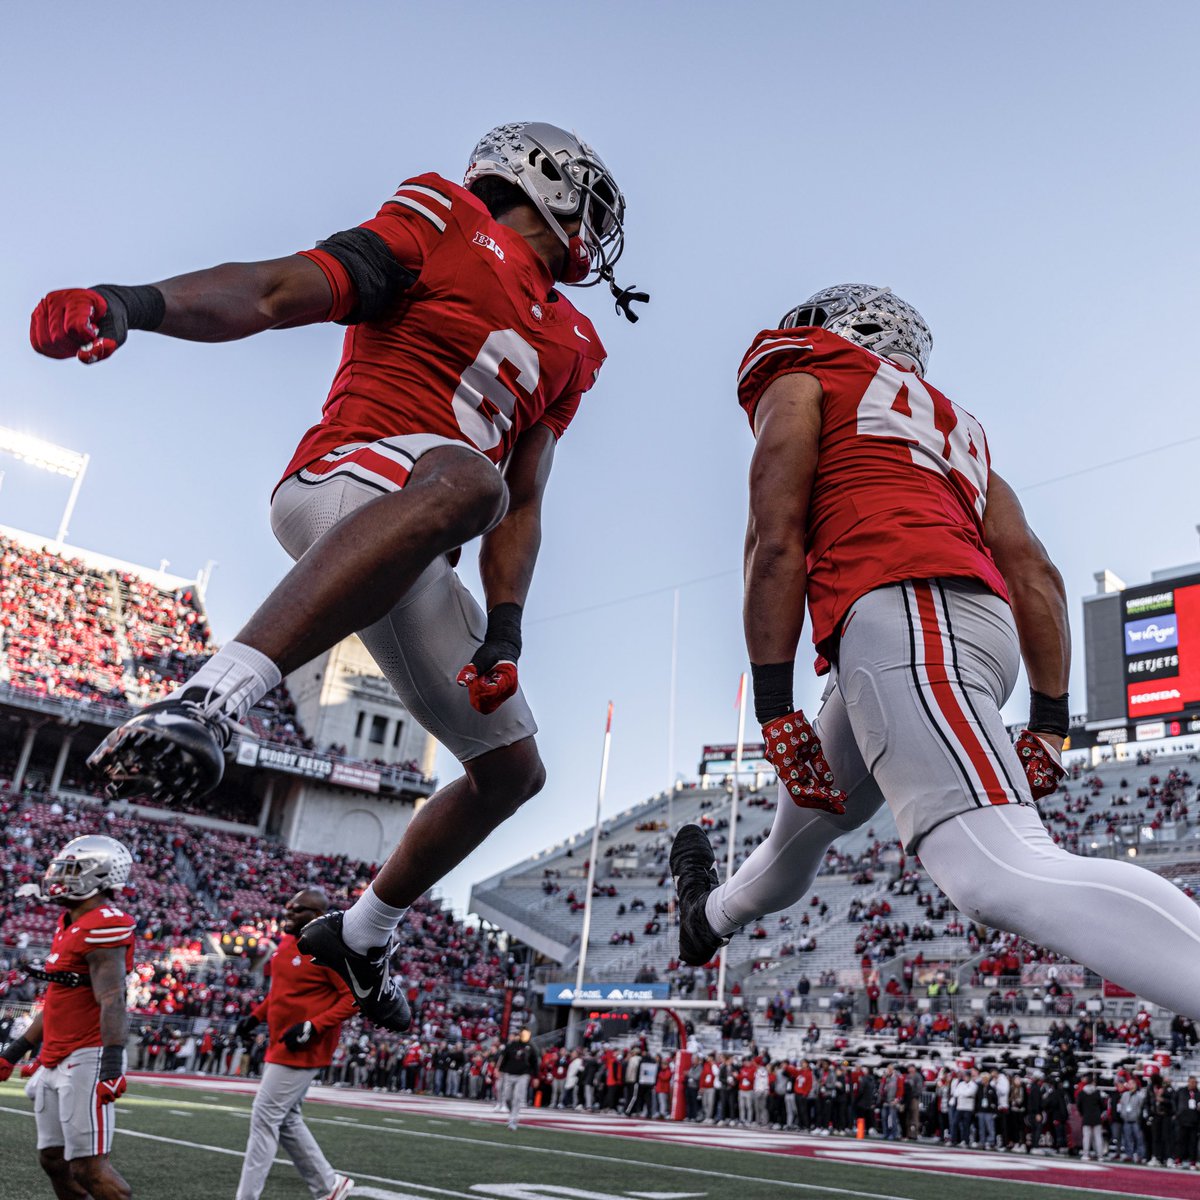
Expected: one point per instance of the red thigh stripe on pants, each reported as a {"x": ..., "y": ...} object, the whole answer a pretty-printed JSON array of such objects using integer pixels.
[
  {"x": 367, "y": 463},
  {"x": 942, "y": 686},
  {"x": 99, "y": 1121}
]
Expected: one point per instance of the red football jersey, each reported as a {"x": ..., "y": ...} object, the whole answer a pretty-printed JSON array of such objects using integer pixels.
[
  {"x": 302, "y": 991},
  {"x": 71, "y": 1016},
  {"x": 901, "y": 481},
  {"x": 479, "y": 349}
]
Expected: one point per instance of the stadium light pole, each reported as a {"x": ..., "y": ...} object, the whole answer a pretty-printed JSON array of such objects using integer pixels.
[
  {"x": 46, "y": 456},
  {"x": 733, "y": 813},
  {"x": 591, "y": 872}
]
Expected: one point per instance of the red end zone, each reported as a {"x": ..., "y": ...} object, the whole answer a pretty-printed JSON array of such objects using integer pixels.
[{"x": 1035, "y": 1169}]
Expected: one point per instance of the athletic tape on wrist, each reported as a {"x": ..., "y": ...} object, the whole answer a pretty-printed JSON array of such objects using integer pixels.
[
  {"x": 772, "y": 690},
  {"x": 1048, "y": 714}
]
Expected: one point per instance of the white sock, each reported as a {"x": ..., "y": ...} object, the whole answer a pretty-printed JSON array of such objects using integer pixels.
[
  {"x": 369, "y": 922},
  {"x": 240, "y": 675}
]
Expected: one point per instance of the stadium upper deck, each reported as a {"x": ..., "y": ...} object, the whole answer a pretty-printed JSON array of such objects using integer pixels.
[{"x": 1145, "y": 809}]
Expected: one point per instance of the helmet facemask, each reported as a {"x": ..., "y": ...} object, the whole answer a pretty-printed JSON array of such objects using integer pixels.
[{"x": 565, "y": 183}]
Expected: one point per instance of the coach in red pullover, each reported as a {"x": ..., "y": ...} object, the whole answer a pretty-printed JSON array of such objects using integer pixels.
[{"x": 304, "y": 1011}]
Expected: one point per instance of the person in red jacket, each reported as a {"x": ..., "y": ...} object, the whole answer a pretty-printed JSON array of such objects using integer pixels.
[{"x": 304, "y": 1011}]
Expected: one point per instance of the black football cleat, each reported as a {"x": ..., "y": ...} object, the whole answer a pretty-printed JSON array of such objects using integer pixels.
[
  {"x": 378, "y": 993},
  {"x": 173, "y": 750},
  {"x": 694, "y": 868}
]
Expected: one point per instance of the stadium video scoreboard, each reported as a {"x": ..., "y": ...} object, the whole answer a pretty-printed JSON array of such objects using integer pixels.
[{"x": 1160, "y": 650}]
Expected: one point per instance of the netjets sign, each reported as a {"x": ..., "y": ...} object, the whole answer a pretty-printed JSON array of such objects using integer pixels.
[{"x": 606, "y": 993}]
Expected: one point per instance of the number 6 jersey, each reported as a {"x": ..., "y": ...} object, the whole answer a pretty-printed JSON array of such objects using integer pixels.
[
  {"x": 479, "y": 349},
  {"x": 901, "y": 481}
]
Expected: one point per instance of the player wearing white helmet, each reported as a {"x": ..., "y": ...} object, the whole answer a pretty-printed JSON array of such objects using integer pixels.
[
  {"x": 82, "y": 1026},
  {"x": 463, "y": 364},
  {"x": 873, "y": 503}
]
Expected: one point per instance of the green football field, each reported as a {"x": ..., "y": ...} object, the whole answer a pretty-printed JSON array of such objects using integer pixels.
[{"x": 176, "y": 1144}]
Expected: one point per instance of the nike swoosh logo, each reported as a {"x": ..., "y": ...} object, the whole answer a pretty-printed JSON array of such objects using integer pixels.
[
  {"x": 582, "y": 335},
  {"x": 357, "y": 988}
]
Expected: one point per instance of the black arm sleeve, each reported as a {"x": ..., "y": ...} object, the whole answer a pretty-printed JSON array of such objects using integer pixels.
[{"x": 377, "y": 277}]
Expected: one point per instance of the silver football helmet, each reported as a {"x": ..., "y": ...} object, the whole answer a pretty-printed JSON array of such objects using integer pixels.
[
  {"x": 564, "y": 178},
  {"x": 87, "y": 865},
  {"x": 872, "y": 317}
]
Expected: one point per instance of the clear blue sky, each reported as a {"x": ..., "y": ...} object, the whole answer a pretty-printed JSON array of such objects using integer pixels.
[{"x": 1025, "y": 174}]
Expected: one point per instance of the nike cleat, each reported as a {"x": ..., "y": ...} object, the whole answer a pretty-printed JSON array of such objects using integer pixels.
[
  {"x": 694, "y": 868},
  {"x": 341, "y": 1189},
  {"x": 173, "y": 750},
  {"x": 378, "y": 993}
]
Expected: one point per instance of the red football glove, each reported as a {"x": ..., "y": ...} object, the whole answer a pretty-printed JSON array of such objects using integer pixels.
[
  {"x": 6, "y": 1068},
  {"x": 108, "y": 1090},
  {"x": 489, "y": 690},
  {"x": 1042, "y": 763},
  {"x": 111, "y": 1085},
  {"x": 29, "y": 1069},
  {"x": 66, "y": 324},
  {"x": 794, "y": 750}
]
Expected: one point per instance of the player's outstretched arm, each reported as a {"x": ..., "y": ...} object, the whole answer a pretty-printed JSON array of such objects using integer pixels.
[
  {"x": 1039, "y": 598},
  {"x": 507, "y": 557},
  {"x": 219, "y": 304},
  {"x": 106, "y": 968}
]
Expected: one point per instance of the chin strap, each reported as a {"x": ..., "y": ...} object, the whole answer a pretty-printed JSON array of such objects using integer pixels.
[{"x": 625, "y": 296}]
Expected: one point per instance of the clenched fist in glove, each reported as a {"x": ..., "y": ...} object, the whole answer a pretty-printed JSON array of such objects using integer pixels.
[
  {"x": 244, "y": 1030},
  {"x": 1039, "y": 742},
  {"x": 1042, "y": 764},
  {"x": 91, "y": 323},
  {"x": 12, "y": 1054},
  {"x": 299, "y": 1035},
  {"x": 491, "y": 676},
  {"x": 794, "y": 750}
]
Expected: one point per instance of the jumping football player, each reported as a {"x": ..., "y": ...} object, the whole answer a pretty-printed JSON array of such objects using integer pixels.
[
  {"x": 304, "y": 1011},
  {"x": 83, "y": 1025},
  {"x": 873, "y": 499},
  {"x": 463, "y": 365}
]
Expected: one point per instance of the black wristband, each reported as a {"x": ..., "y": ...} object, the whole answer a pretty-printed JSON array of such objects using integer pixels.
[
  {"x": 504, "y": 631},
  {"x": 130, "y": 308},
  {"x": 772, "y": 690},
  {"x": 18, "y": 1048},
  {"x": 1048, "y": 714},
  {"x": 112, "y": 1062}
]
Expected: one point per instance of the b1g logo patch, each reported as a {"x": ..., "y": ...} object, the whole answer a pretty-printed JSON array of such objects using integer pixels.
[{"x": 488, "y": 243}]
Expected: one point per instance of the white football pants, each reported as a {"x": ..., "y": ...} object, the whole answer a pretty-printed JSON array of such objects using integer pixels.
[{"x": 923, "y": 670}]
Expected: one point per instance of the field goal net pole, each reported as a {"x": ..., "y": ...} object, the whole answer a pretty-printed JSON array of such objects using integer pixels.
[
  {"x": 722, "y": 968},
  {"x": 591, "y": 871},
  {"x": 683, "y": 1056}
]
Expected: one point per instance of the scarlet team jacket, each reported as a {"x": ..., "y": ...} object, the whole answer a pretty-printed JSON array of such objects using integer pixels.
[
  {"x": 71, "y": 1016},
  {"x": 901, "y": 481},
  {"x": 302, "y": 991}
]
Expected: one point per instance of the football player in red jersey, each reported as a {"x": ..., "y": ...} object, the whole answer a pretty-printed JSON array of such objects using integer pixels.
[
  {"x": 873, "y": 499},
  {"x": 304, "y": 1011},
  {"x": 83, "y": 1025},
  {"x": 462, "y": 366}
]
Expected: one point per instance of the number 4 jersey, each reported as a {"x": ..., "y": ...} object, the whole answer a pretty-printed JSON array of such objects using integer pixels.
[
  {"x": 479, "y": 349},
  {"x": 901, "y": 481}
]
